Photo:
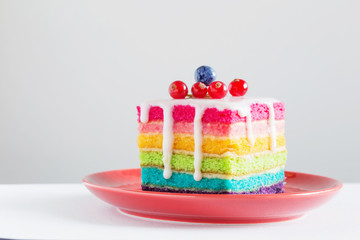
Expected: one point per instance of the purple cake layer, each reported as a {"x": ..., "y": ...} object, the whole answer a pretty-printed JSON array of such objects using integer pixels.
[{"x": 273, "y": 189}]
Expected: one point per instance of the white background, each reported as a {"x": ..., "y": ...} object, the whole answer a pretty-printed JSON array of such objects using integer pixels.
[{"x": 72, "y": 73}]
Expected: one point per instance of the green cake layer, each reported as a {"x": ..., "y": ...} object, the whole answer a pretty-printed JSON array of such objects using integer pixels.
[{"x": 227, "y": 165}]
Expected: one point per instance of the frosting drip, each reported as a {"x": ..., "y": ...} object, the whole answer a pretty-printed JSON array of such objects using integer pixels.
[
  {"x": 198, "y": 155},
  {"x": 144, "y": 116},
  {"x": 246, "y": 112},
  {"x": 168, "y": 139},
  {"x": 272, "y": 127},
  {"x": 240, "y": 104}
]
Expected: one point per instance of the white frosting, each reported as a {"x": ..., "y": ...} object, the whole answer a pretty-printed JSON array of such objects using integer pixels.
[
  {"x": 246, "y": 112},
  {"x": 198, "y": 155},
  {"x": 226, "y": 154},
  {"x": 223, "y": 176},
  {"x": 240, "y": 104},
  {"x": 168, "y": 139},
  {"x": 272, "y": 127},
  {"x": 144, "y": 112}
]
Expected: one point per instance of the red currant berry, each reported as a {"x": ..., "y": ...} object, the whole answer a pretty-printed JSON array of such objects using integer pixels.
[
  {"x": 178, "y": 90},
  {"x": 199, "y": 90},
  {"x": 217, "y": 89},
  {"x": 238, "y": 87}
]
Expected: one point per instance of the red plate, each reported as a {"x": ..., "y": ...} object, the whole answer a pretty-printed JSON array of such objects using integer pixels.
[{"x": 122, "y": 189}]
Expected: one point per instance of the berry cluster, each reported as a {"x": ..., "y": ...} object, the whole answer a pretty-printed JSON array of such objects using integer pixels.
[{"x": 205, "y": 86}]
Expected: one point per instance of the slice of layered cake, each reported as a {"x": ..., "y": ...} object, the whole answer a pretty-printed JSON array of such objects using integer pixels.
[
  {"x": 205, "y": 143},
  {"x": 233, "y": 145}
]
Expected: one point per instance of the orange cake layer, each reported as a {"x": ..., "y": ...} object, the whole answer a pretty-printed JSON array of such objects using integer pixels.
[{"x": 212, "y": 145}]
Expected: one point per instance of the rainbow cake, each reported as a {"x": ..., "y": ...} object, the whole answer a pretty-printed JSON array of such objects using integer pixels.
[{"x": 232, "y": 145}]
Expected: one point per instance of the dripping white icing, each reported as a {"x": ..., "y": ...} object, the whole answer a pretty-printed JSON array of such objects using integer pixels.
[
  {"x": 246, "y": 112},
  {"x": 249, "y": 132},
  {"x": 198, "y": 155},
  {"x": 240, "y": 104},
  {"x": 272, "y": 128},
  {"x": 144, "y": 112},
  {"x": 168, "y": 139}
]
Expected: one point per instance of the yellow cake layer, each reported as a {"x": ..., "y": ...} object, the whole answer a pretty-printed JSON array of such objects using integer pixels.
[{"x": 212, "y": 145}]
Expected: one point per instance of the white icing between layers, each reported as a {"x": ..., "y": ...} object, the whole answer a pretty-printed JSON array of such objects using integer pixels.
[
  {"x": 237, "y": 178},
  {"x": 239, "y": 104},
  {"x": 227, "y": 154}
]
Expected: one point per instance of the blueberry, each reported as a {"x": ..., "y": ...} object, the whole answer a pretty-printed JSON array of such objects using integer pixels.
[{"x": 205, "y": 74}]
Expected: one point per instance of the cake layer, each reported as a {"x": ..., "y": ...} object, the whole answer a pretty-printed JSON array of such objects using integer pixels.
[
  {"x": 153, "y": 177},
  {"x": 186, "y": 113},
  {"x": 259, "y": 128},
  {"x": 211, "y": 145},
  {"x": 273, "y": 189},
  {"x": 229, "y": 165}
]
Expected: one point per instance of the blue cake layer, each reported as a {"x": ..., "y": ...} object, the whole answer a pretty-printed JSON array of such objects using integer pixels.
[{"x": 154, "y": 177}]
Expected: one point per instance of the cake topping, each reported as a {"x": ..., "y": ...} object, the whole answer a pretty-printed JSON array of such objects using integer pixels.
[
  {"x": 217, "y": 90},
  {"x": 238, "y": 87},
  {"x": 199, "y": 90},
  {"x": 206, "y": 87},
  {"x": 205, "y": 74},
  {"x": 178, "y": 90}
]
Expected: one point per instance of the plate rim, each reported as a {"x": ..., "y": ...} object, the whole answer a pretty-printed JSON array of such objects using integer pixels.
[{"x": 335, "y": 188}]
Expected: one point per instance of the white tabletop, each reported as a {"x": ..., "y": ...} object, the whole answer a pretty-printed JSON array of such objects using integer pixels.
[{"x": 70, "y": 211}]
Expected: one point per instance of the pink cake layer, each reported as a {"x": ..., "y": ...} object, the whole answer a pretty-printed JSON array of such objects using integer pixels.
[
  {"x": 212, "y": 115},
  {"x": 260, "y": 128}
]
